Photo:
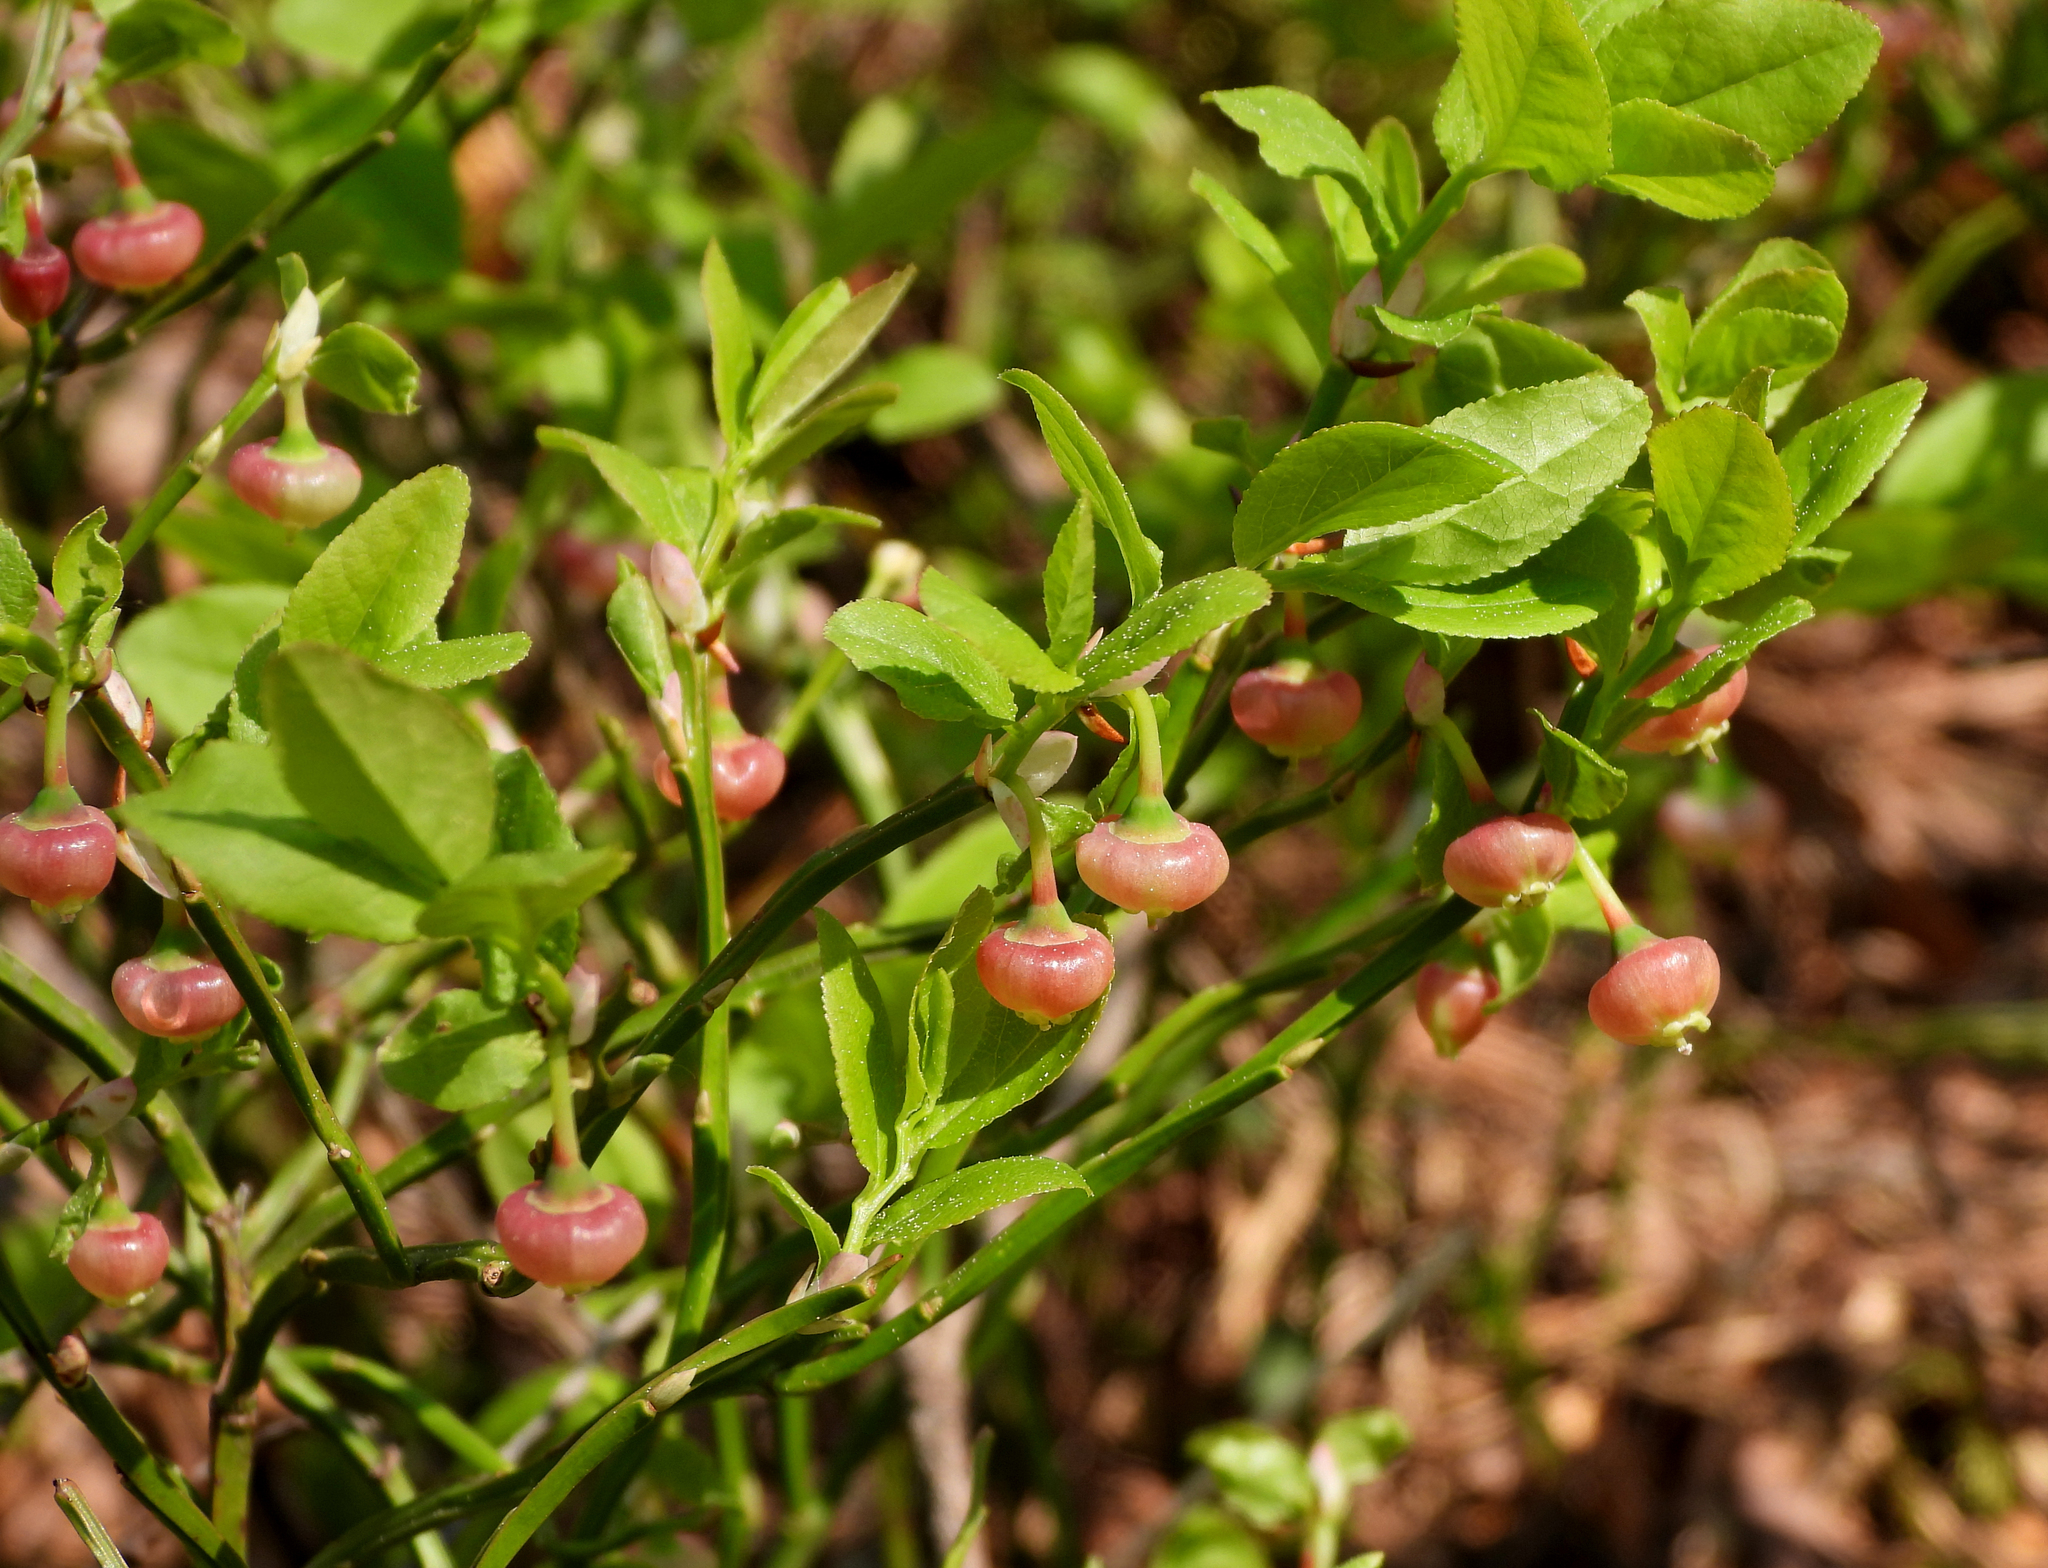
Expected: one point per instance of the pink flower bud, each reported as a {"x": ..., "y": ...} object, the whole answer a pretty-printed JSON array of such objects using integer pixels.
[
  {"x": 117, "y": 1262},
  {"x": 1156, "y": 873},
  {"x": 1452, "y": 1004},
  {"x": 1510, "y": 862},
  {"x": 745, "y": 775},
  {"x": 33, "y": 284},
  {"x": 175, "y": 996},
  {"x": 1294, "y": 709},
  {"x": 676, "y": 588},
  {"x": 1043, "y": 974},
  {"x": 139, "y": 251},
  {"x": 572, "y": 1243},
  {"x": 1658, "y": 993},
  {"x": 1689, "y": 728},
  {"x": 58, "y": 853},
  {"x": 1424, "y": 693},
  {"x": 298, "y": 492}
]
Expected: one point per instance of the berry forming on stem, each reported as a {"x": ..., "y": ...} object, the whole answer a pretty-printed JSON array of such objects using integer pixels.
[
  {"x": 119, "y": 1255},
  {"x": 569, "y": 1229},
  {"x": 1695, "y": 727},
  {"x": 1660, "y": 990},
  {"x": 33, "y": 284},
  {"x": 1151, "y": 860},
  {"x": 144, "y": 243},
  {"x": 59, "y": 853},
  {"x": 1292, "y": 707},
  {"x": 746, "y": 770},
  {"x": 1424, "y": 694},
  {"x": 175, "y": 996},
  {"x": 1452, "y": 1004},
  {"x": 1046, "y": 967},
  {"x": 1510, "y": 862}
]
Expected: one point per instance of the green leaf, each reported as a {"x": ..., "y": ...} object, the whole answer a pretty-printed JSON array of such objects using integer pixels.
[
  {"x": 1070, "y": 587},
  {"x": 381, "y": 762},
  {"x": 1456, "y": 127},
  {"x": 154, "y": 36},
  {"x": 1784, "y": 309},
  {"x": 80, "y": 1207},
  {"x": 1669, "y": 325},
  {"x": 1571, "y": 440},
  {"x": 1498, "y": 354},
  {"x": 823, "y": 1236},
  {"x": 1539, "y": 95},
  {"x": 922, "y": 194},
  {"x": 1517, "y": 948},
  {"x": 459, "y": 1052},
  {"x": 1394, "y": 174},
  {"x": 1584, "y": 786},
  {"x": 932, "y": 1005},
  {"x": 649, "y": 494},
  {"x": 1086, "y": 468},
  {"x": 1678, "y": 160},
  {"x": 1297, "y": 136},
  {"x": 440, "y": 665},
  {"x": 1176, "y": 619},
  {"x": 1537, "y": 269},
  {"x": 1361, "y": 477},
  {"x": 368, "y": 367},
  {"x": 1808, "y": 571},
  {"x": 1752, "y": 396},
  {"x": 771, "y": 533},
  {"x": 938, "y": 673},
  {"x": 229, "y": 815},
  {"x": 639, "y": 630},
  {"x": 830, "y": 422},
  {"x": 1452, "y": 810},
  {"x": 938, "y": 388},
  {"x": 817, "y": 311},
  {"x": 1204, "y": 1536},
  {"x": 1534, "y": 599},
  {"x": 512, "y": 899},
  {"x": 1227, "y": 435},
  {"x": 1734, "y": 650},
  {"x": 1001, "y": 640},
  {"x": 529, "y": 817},
  {"x": 732, "y": 344},
  {"x": 1261, "y": 1475},
  {"x": 378, "y": 587},
  {"x": 1435, "y": 331},
  {"x": 1775, "y": 71},
  {"x": 1241, "y": 221},
  {"x": 956, "y": 1199},
  {"x": 996, "y": 1062},
  {"x": 1600, "y": 549},
  {"x": 1832, "y": 461},
  {"x": 829, "y": 354},
  {"x": 865, "y": 1058},
  {"x": 181, "y": 656},
  {"x": 85, "y": 564},
  {"x": 1723, "y": 495},
  {"x": 17, "y": 581},
  {"x": 1362, "y": 1443}
]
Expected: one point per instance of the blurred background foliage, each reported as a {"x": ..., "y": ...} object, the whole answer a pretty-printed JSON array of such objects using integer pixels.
[{"x": 1779, "y": 1307}]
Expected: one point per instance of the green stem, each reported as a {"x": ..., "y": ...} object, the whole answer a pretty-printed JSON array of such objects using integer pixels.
[
  {"x": 796, "y": 718},
  {"x": 468, "y": 1446},
  {"x": 56, "y": 727},
  {"x": 159, "y": 1487},
  {"x": 1452, "y": 739},
  {"x": 39, "y": 86},
  {"x": 87, "y": 1523},
  {"x": 1449, "y": 198},
  {"x": 179, "y": 482},
  {"x": 1145, "y": 726},
  {"x": 1327, "y": 402},
  {"x": 1612, "y": 909},
  {"x": 562, "y": 1103},
  {"x": 272, "y": 1023}
]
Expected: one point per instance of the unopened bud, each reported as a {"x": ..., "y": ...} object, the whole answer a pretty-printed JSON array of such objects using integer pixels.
[
  {"x": 1452, "y": 1003},
  {"x": 207, "y": 453},
  {"x": 99, "y": 1108},
  {"x": 669, "y": 705},
  {"x": 1354, "y": 333},
  {"x": 1658, "y": 993},
  {"x": 1424, "y": 693},
  {"x": 893, "y": 570},
  {"x": 844, "y": 1269},
  {"x": 582, "y": 986},
  {"x": 70, "y": 1362},
  {"x": 1046, "y": 763},
  {"x": 676, "y": 588},
  {"x": 298, "y": 336}
]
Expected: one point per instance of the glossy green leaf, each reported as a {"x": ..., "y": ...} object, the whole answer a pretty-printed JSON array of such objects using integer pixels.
[
  {"x": 996, "y": 1062},
  {"x": 1723, "y": 495},
  {"x": 1241, "y": 221},
  {"x": 1833, "y": 460},
  {"x": 379, "y": 761},
  {"x": 663, "y": 509},
  {"x": 1785, "y": 309},
  {"x": 1378, "y": 478},
  {"x": 85, "y": 564},
  {"x": 1086, "y": 469},
  {"x": 1297, "y": 136},
  {"x": 732, "y": 344},
  {"x": 1733, "y": 650},
  {"x": 1261, "y": 1475},
  {"x": 459, "y": 1052},
  {"x": 1394, "y": 173},
  {"x": 932, "y": 1007},
  {"x": 512, "y": 899},
  {"x": 639, "y": 630},
  {"x": 1001, "y": 640},
  {"x": 1452, "y": 810},
  {"x": 1669, "y": 325},
  {"x": 1517, "y": 948},
  {"x": 1584, "y": 786},
  {"x": 1537, "y": 269},
  {"x": 937, "y": 672},
  {"x": 379, "y": 586},
  {"x": 228, "y": 814},
  {"x": 1175, "y": 619},
  {"x": 1456, "y": 127},
  {"x": 440, "y": 665},
  {"x": 1599, "y": 549},
  {"x": 831, "y": 353},
  {"x": 771, "y": 533},
  {"x": 150, "y": 37},
  {"x": 866, "y": 1060},
  {"x": 966, "y": 1194},
  {"x": 1435, "y": 331},
  {"x": 1679, "y": 160},
  {"x": 17, "y": 581},
  {"x": 1362, "y": 1443},
  {"x": 1809, "y": 570},
  {"x": 1775, "y": 71},
  {"x": 368, "y": 367},
  {"x": 823, "y": 1236},
  {"x": 1534, "y": 599},
  {"x": 1536, "y": 89},
  {"x": 1070, "y": 587},
  {"x": 181, "y": 655},
  {"x": 1498, "y": 354}
]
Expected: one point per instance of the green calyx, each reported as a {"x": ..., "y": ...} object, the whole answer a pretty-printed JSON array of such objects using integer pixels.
[
  {"x": 53, "y": 802},
  {"x": 296, "y": 443},
  {"x": 1049, "y": 918},
  {"x": 1150, "y": 820},
  {"x": 1633, "y": 938}
]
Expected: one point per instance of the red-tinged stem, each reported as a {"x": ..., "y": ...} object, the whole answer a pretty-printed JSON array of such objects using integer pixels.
[
  {"x": 56, "y": 722},
  {"x": 1294, "y": 622},
  {"x": 1612, "y": 909}
]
